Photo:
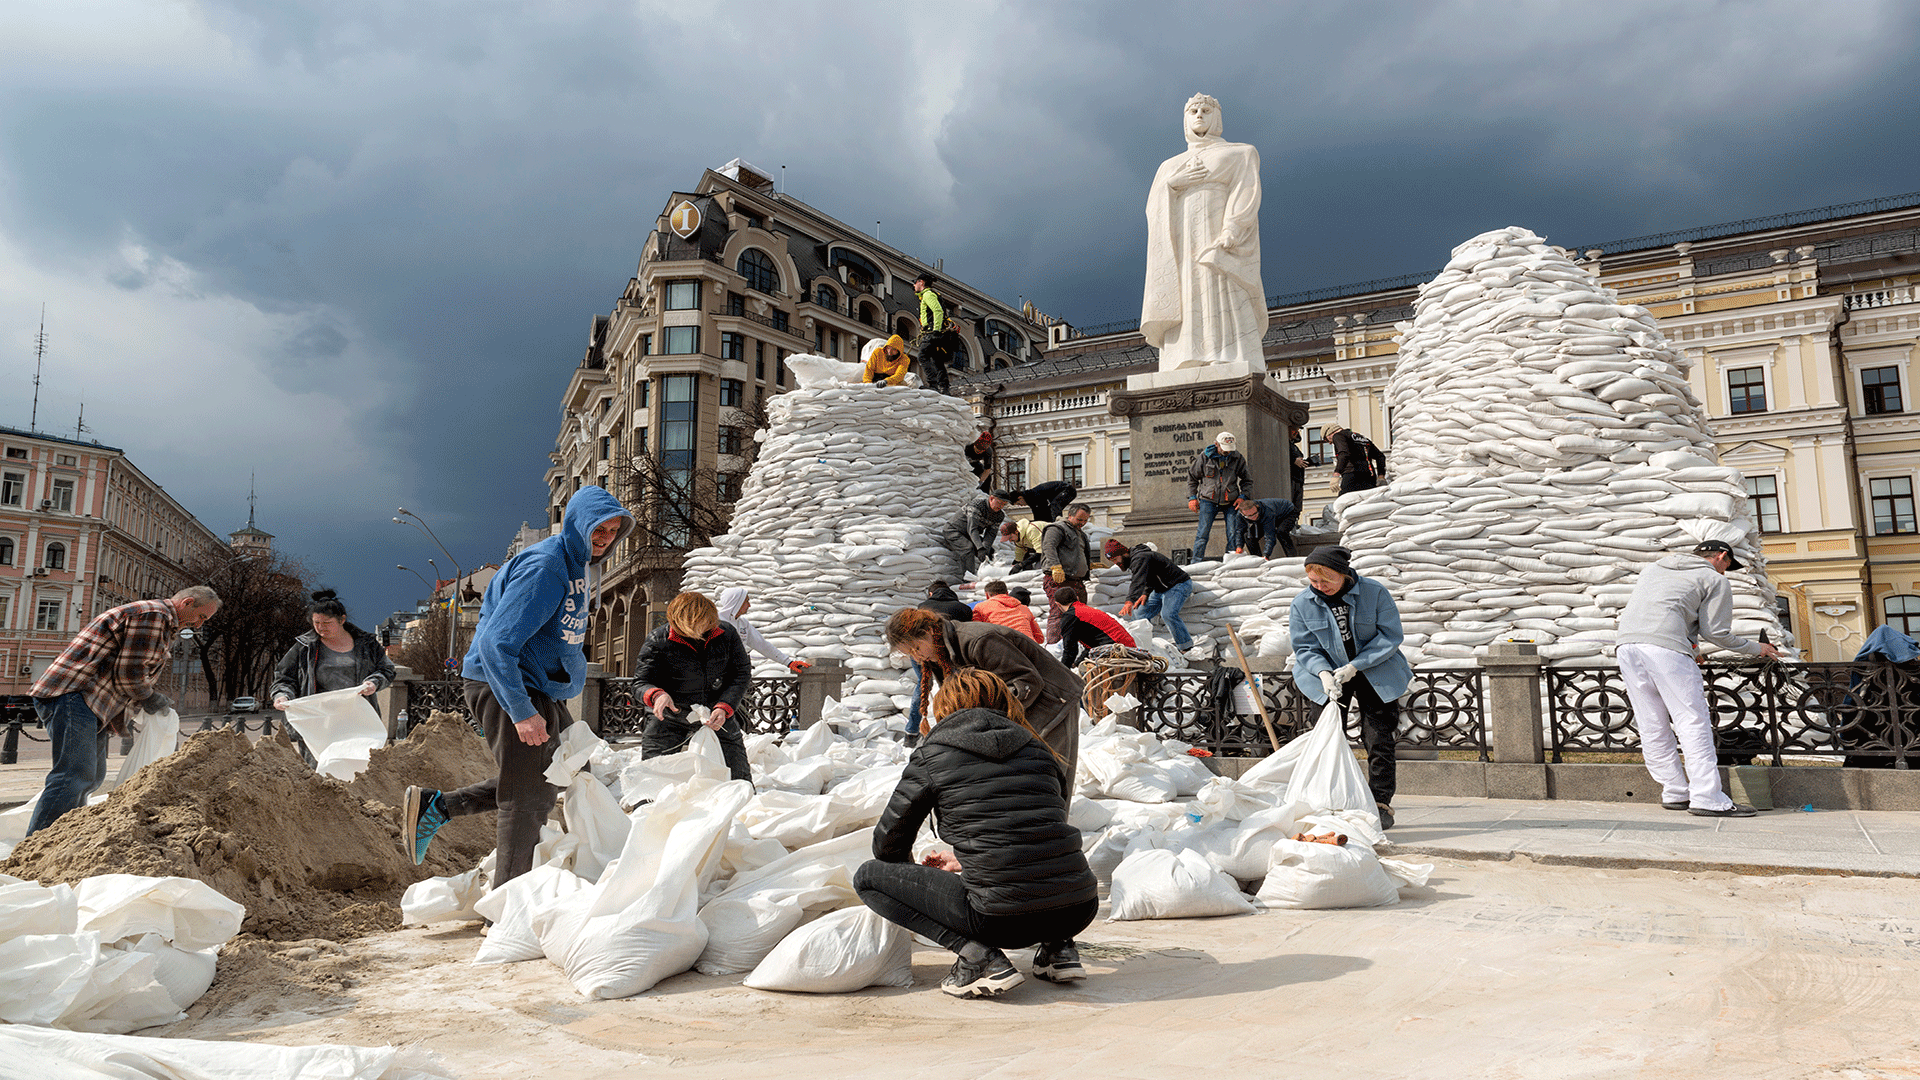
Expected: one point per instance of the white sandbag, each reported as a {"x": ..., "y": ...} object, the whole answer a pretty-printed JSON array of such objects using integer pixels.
[
  {"x": 41, "y": 974},
  {"x": 122, "y": 994},
  {"x": 28, "y": 907},
  {"x": 850, "y": 949},
  {"x": 745, "y": 923},
  {"x": 188, "y": 913},
  {"x": 640, "y": 923},
  {"x": 1305, "y": 875},
  {"x": 1162, "y": 884},
  {"x": 444, "y": 899},
  {"x": 595, "y": 819},
  {"x": 644, "y": 780},
  {"x": 577, "y": 746},
  {"x": 511, "y": 907},
  {"x": 71, "y": 1055},
  {"x": 341, "y": 730},
  {"x": 184, "y": 974}
]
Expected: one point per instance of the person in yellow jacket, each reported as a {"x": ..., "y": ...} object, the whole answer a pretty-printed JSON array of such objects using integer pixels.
[
  {"x": 1024, "y": 533},
  {"x": 887, "y": 364}
]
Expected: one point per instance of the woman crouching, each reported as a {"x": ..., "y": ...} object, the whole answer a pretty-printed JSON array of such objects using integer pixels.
[{"x": 1016, "y": 876}]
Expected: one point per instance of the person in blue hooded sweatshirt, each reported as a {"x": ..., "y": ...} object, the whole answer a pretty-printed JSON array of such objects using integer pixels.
[{"x": 528, "y": 658}]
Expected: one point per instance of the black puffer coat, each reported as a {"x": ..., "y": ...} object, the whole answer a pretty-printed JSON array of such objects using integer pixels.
[
  {"x": 999, "y": 797},
  {"x": 704, "y": 673}
]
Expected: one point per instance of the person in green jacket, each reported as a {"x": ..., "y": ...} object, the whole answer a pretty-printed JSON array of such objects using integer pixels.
[{"x": 937, "y": 339}]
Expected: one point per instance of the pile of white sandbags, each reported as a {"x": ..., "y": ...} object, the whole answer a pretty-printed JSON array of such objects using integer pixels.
[{"x": 838, "y": 522}]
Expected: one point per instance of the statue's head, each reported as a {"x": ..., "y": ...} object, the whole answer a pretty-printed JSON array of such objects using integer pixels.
[{"x": 1202, "y": 116}]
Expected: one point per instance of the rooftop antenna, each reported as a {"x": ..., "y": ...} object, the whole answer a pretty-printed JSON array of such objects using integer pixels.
[
  {"x": 783, "y": 179},
  {"x": 80, "y": 423},
  {"x": 252, "y": 494},
  {"x": 39, "y": 351}
]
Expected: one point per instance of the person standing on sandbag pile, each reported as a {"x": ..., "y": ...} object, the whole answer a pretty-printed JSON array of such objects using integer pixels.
[
  {"x": 998, "y": 607},
  {"x": 1155, "y": 585},
  {"x": 1067, "y": 558},
  {"x": 1016, "y": 876},
  {"x": 1677, "y": 601},
  {"x": 1217, "y": 477},
  {"x": 1346, "y": 644},
  {"x": 1047, "y": 689},
  {"x": 110, "y": 669},
  {"x": 970, "y": 533},
  {"x": 1357, "y": 462},
  {"x": 694, "y": 660},
  {"x": 733, "y": 612},
  {"x": 334, "y": 655},
  {"x": 1083, "y": 626},
  {"x": 527, "y": 659},
  {"x": 937, "y": 340}
]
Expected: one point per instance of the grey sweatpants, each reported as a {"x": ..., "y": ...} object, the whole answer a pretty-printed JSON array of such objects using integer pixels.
[{"x": 520, "y": 792}]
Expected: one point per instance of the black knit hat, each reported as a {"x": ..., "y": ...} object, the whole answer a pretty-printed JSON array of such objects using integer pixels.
[{"x": 1333, "y": 557}]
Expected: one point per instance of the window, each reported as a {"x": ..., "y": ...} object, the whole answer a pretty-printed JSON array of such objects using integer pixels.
[
  {"x": 1126, "y": 464},
  {"x": 730, "y": 439},
  {"x": 606, "y": 447},
  {"x": 1783, "y": 610},
  {"x": 780, "y": 320},
  {"x": 824, "y": 296},
  {"x": 1746, "y": 390},
  {"x": 733, "y": 346},
  {"x": 681, "y": 340},
  {"x": 640, "y": 440},
  {"x": 727, "y": 486},
  {"x": 6, "y": 558},
  {"x": 56, "y": 556},
  {"x": 46, "y": 615},
  {"x": 1073, "y": 469},
  {"x": 1903, "y": 614},
  {"x": 65, "y": 459},
  {"x": 819, "y": 339},
  {"x": 1016, "y": 474},
  {"x": 833, "y": 343},
  {"x": 780, "y": 366},
  {"x": 683, "y": 296},
  {"x": 3, "y": 611},
  {"x": 760, "y": 361},
  {"x": 1003, "y": 337},
  {"x": 1880, "y": 390},
  {"x": 13, "y": 488},
  {"x": 757, "y": 267},
  {"x": 736, "y": 304},
  {"x": 645, "y": 388},
  {"x": 646, "y": 344},
  {"x": 17, "y": 453},
  {"x": 679, "y": 413},
  {"x": 1319, "y": 451},
  {"x": 1765, "y": 493},
  {"x": 732, "y": 392},
  {"x": 606, "y": 405},
  {"x": 1892, "y": 499}
]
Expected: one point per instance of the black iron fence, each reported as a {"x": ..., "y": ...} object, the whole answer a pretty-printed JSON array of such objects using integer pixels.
[
  {"x": 772, "y": 705},
  {"x": 1444, "y": 709},
  {"x": 1868, "y": 712}
]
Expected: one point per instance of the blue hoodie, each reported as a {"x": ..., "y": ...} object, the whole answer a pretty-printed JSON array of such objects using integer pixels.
[{"x": 533, "y": 619}]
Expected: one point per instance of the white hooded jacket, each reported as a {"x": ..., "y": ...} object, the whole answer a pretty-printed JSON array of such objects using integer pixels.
[{"x": 731, "y": 601}]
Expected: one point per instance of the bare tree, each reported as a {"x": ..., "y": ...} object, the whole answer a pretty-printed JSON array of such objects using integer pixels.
[
  {"x": 263, "y": 607},
  {"x": 678, "y": 509},
  {"x": 425, "y": 647}
]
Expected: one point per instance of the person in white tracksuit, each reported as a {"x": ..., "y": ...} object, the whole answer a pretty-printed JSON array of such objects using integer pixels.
[
  {"x": 1678, "y": 601},
  {"x": 733, "y": 612}
]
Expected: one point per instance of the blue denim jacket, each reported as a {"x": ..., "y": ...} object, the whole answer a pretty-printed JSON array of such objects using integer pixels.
[{"x": 1376, "y": 632}]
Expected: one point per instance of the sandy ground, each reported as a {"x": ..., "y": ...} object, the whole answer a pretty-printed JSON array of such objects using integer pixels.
[{"x": 1495, "y": 969}]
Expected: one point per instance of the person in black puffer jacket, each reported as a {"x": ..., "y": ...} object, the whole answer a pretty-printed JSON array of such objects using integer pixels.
[
  {"x": 694, "y": 660},
  {"x": 1016, "y": 876}
]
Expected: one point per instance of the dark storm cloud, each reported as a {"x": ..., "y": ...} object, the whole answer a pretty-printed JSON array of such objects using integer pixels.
[{"x": 425, "y": 204}]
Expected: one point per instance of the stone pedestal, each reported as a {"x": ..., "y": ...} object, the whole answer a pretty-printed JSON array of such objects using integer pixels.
[{"x": 1173, "y": 415}]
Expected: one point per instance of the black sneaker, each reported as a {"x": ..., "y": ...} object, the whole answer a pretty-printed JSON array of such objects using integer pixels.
[
  {"x": 1681, "y": 805},
  {"x": 990, "y": 976},
  {"x": 425, "y": 811},
  {"x": 1736, "y": 810},
  {"x": 1058, "y": 962},
  {"x": 1386, "y": 815}
]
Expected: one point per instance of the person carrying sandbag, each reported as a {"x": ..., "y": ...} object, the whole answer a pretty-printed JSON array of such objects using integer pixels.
[
  {"x": 1016, "y": 876},
  {"x": 1346, "y": 644},
  {"x": 694, "y": 660},
  {"x": 1048, "y": 691},
  {"x": 334, "y": 655}
]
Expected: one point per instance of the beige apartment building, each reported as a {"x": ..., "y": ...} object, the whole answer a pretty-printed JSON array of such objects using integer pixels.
[
  {"x": 81, "y": 530},
  {"x": 1801, "y": 330},
  {"x": 661, "y": 410}
]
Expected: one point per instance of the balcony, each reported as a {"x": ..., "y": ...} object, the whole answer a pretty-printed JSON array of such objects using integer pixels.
[
  {"x": 1877, "y": 298},
  {"x": 761, "y": 320},
  {"x": 1030, "y": 408}
]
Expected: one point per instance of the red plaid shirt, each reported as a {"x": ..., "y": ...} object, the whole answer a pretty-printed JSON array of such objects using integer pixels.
[{"x": 117, "y": 660}]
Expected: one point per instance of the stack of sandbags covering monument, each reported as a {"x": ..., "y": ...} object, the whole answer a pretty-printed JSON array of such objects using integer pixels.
[{"x": 838, "y": 522}]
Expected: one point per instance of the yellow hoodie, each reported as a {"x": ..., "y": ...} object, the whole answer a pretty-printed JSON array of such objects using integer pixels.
[{"x": 880, "y": 369}]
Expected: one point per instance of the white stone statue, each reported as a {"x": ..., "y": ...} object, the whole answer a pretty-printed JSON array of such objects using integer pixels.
[{"x": 1204, "y": 303}]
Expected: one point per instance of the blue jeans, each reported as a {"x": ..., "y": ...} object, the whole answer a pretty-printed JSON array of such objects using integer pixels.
[
  {"x": 1167, "y": 605},
  {"x": 79, "y": 744},
  {"x": 1204, "y": 531}
]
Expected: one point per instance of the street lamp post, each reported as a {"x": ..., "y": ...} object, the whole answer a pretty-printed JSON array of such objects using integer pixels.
[{"x": 408, "y": 517}]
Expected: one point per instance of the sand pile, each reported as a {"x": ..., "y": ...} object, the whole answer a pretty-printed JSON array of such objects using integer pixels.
[{"x": 308, "y": 856}]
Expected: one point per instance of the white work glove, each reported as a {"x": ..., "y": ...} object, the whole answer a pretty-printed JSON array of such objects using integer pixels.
[
  {"x": 1346, "y": 674},
  {"x": 1330, "y": 682}
]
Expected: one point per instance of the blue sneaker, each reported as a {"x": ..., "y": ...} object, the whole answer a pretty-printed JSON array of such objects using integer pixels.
[{"x": 422, "y": 816}]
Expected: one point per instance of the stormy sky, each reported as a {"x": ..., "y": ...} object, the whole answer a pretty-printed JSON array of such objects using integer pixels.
[{"x": 354, "y": 247}]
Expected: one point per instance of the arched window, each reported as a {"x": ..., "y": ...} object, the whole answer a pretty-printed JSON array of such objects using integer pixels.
[
  {"x": 56, "y": 556},
  {"x": 757, "y": 267},
  {"x": 1903, "y": 614},
  {"x": 904, "y": 327},
  {"x": 1003, "y": 337},
  {"x": 825, "y": 296},
  {"x": 868, "y": 314},
  {"x": 6, "y": 551}
]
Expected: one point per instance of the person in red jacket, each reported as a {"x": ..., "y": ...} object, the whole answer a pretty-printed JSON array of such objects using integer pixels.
[
  {"x": 1084, "y": 627},
  {"x": 998, "y": 607}
]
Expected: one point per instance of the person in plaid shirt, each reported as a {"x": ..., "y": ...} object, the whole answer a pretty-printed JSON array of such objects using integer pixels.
[{"x": 83, "y": 696}]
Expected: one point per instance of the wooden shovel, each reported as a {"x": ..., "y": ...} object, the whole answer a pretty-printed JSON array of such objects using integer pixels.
[{"x": 1259, "y": 699}]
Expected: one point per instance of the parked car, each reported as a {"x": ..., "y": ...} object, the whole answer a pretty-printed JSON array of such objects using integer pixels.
[{"x": 245, "y": 704}]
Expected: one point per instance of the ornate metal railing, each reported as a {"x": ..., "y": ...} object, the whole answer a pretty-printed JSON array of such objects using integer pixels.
[
  {"x": 424, "y": 698},
  {"x": 772, "y": 705},
  {"x": 1867, "y": 711},
  {"x": 1443, "y": 710}
]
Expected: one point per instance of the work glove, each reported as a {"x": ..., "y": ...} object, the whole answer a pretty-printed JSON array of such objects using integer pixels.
[
  {"x": 156, "y": 702},
  {"x": 1330, "y": 682},
  {"x": 797, "y": 666},
  {"x": 1059, "y": 575},
  {"x": 1347, "y": 673}
]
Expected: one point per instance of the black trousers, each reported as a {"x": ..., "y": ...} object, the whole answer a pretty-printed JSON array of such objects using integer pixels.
[
  {"x": 933, "y": 903},
  {"x": 520, "y": 793},
  {"x": 669, "y": 736},
  {"x": 1378, "y": 719}
]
